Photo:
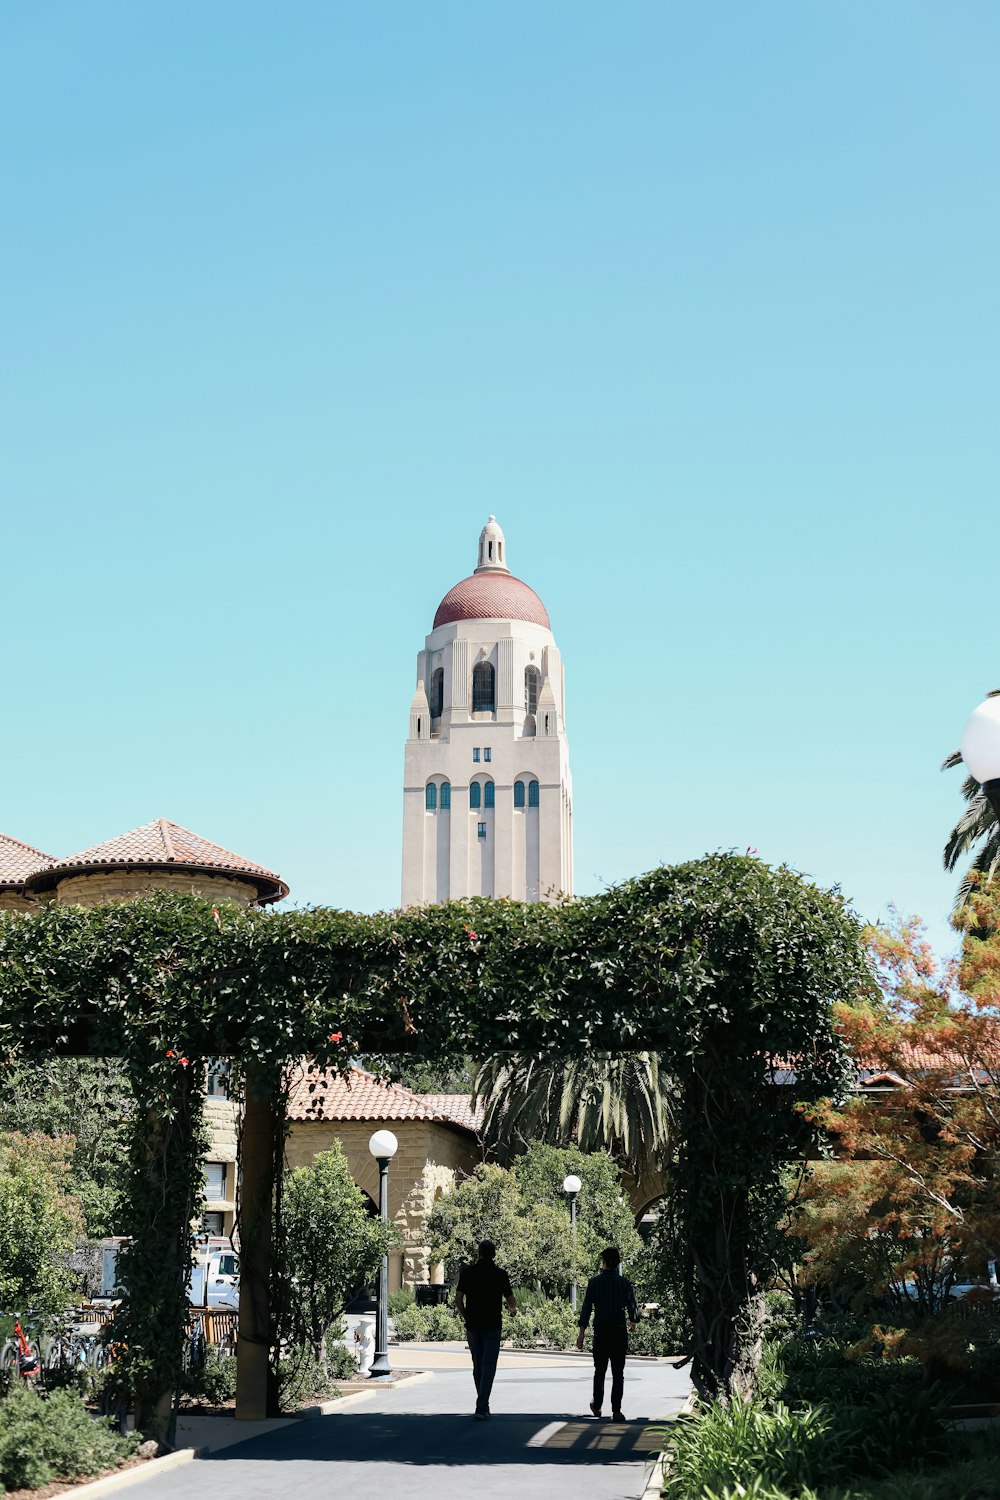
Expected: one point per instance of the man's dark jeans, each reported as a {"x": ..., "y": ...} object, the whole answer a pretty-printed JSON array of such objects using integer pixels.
[
  {"x": 610, "y": 1346},
  {"x": 484, "y": 1346}
]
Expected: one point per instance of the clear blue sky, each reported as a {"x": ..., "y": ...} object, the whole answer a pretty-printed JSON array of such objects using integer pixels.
[{"x": 700, "y": 299}]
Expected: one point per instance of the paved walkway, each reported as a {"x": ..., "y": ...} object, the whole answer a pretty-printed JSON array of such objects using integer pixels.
[{"x": 421, "y": 1441}]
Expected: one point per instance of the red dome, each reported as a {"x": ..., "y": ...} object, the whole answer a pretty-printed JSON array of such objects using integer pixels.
[{"x": 491, "y": 596}]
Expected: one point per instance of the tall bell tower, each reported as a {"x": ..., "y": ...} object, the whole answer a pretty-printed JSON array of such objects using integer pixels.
[{"x": 487, "y": 791}]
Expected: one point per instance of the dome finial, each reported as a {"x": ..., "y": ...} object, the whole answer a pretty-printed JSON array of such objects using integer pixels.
[{"x": 492, "y": 549}]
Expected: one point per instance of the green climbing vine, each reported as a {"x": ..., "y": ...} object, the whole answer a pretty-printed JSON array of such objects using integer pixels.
[{"x": 724, "y": 967}]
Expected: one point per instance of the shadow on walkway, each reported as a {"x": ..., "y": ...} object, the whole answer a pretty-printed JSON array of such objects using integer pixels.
[{"x": 450, "y": 1439}]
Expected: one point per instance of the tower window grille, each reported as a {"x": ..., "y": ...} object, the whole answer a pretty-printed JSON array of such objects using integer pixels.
[
  {"x": 430, "y": 797},
  {"x": 446, "y": 796},
  {"x": 484, "y": 698},
  {"x": 489, "y": 795},
  {"x": 532, "y": 793},
  {"x": 437, "y": 692},
  {"x": 532, "y": 683},
  {"x": 482, "y": 831},
  {"x": 518, "y": 793},
  {"x": 475, "y": 795}
]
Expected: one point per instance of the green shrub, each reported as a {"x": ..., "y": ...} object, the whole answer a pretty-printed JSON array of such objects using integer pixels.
[
  {"x": 742, "y": 1442},
  {"x": 746, "y": 1441},
  {"x": 341, "y": 1362},
  {"x": 551, "y": 1325},
  {"x": 399, "y": 1301},
  {"x": 213, "y": 1382},
  {"x": 41, "y": 1441},
  {"x": 301, "y": 1378},
  {"x": 428, "y": 1324}
]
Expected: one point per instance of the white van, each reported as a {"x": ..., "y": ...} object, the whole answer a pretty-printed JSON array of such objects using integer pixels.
[{"x": 215, "y": 1272}]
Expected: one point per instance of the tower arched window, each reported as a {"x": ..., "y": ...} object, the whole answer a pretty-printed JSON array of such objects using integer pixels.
[
  {"x": 489, "y": 795},
  {"x": 518, "y": 793},
  {"x": 437, "y": 692},
  {"x": 430, "y": 797},
  {"x": 475, "y": 794},
  {"x": 532, "y": 793},
  {"x": 446, "y": 796},
  {"x": 484, "y": 698},
  {"x": 532, "y": 683}
]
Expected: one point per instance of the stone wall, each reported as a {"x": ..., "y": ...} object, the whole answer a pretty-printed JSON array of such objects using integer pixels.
[
  {"x": 90, "y": 888},
  {"x": 431, "y": 1157},
  {"x": 14, "y": 901}
]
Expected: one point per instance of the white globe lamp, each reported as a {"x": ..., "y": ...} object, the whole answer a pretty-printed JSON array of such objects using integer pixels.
[{"x": 981, "y": 748}]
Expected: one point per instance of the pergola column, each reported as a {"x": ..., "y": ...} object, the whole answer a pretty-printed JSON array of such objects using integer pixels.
[{"x": 256, "y": 1386}]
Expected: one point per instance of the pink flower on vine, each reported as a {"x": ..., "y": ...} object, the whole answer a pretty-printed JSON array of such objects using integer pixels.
[
  {"x": 183, "y": 1061},
  {"x": 335, "y": 1036},
  {"x": 171, "y": 1052},
  {"x": 472, "y": 935}
]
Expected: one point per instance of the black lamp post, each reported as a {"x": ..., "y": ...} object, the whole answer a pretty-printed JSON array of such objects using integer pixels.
[
  {"x": 981, "y": 748},
  {"x": 571, "y": 1186},
  {"x": 383, "y": 1146}
]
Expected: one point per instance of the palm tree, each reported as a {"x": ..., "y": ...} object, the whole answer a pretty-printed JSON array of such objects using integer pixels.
[
  {"x": 977, "y": 829},
  {"x": 615, "y": 1103}
]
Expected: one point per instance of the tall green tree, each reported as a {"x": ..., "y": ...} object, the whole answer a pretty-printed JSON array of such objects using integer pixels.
[
  {"x": 39, "y": 1222},
  {"x": 87, "y": 1100},
  {"x": 331, "y": 1245},
  {"x": 525, "y": 1212}
]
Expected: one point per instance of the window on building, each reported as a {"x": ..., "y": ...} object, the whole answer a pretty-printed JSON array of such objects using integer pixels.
[
  {"x": 482, "y": 830},
  {"x": 445, "y": 796},
  {"x": 437, "y": 692},
  {"x": 217, "y": 1082},
  {"x": 532, "y": 793},
  {"x": 215, "y": 1179},
  {"x": 518, "y": 793},
  {"x": 483, "y": 688},
  {"x": 475, "y": 794},
  {"x": 213, "y": 1223},
  {"x": 430, "y": 797},
  {"x": 489, "y": 795},
  {"x": 487, "y": 752},
  {"x": 532, "y": 683},
  {"x": 477, "y": 755}
]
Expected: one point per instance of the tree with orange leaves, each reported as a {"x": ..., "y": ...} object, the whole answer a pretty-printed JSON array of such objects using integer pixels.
[{"x": 909, "y": 1203}]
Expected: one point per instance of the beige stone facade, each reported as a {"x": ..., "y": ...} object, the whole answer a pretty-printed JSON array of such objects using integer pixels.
[
  {"x": 91, "y": 889},
  {"x": 430, "y": 1159}
]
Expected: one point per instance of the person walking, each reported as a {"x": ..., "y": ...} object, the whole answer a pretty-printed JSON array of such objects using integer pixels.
[
  {"x": 611, "y": 1299},
  {"x": 482, "y": 1290}
]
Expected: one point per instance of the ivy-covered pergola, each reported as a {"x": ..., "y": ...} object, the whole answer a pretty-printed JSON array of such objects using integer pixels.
[{"x": 722, "y": 966}]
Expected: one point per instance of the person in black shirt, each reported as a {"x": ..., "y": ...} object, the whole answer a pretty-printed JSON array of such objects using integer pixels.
[
  {"x": 610, "y": 1298},
  {"x": 482, "y": 1290}
]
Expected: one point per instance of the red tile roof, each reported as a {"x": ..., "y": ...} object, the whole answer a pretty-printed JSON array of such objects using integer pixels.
[
  {"x": 362, "y": 1096},
  {"x": 491, "y": 596},
  {"x": 164, "y": 845},
  {"x": 18, "y": 861}
]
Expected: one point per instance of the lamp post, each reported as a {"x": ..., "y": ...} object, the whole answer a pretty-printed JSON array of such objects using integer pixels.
[
  {"x": 383, "y": 1146},
  {"x": 981, "y": 748},
  {"x": 572, "y": 1186}
]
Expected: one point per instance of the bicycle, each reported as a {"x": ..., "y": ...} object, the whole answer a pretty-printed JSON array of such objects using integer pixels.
[
  {"x": 74, "y": 1346},
  {"x": 21, "y": 1356}
]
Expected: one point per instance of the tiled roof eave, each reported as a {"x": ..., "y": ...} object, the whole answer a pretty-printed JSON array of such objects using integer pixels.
[{"x": 270, "y": 887}]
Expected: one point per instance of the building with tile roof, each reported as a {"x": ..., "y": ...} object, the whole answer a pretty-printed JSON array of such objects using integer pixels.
[
  {"x": 160, "y": 855},
  {"x": 487, "y": 790},
  {"x": 18, "y": 861},
  {"x": 438, "y": 1137}
]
